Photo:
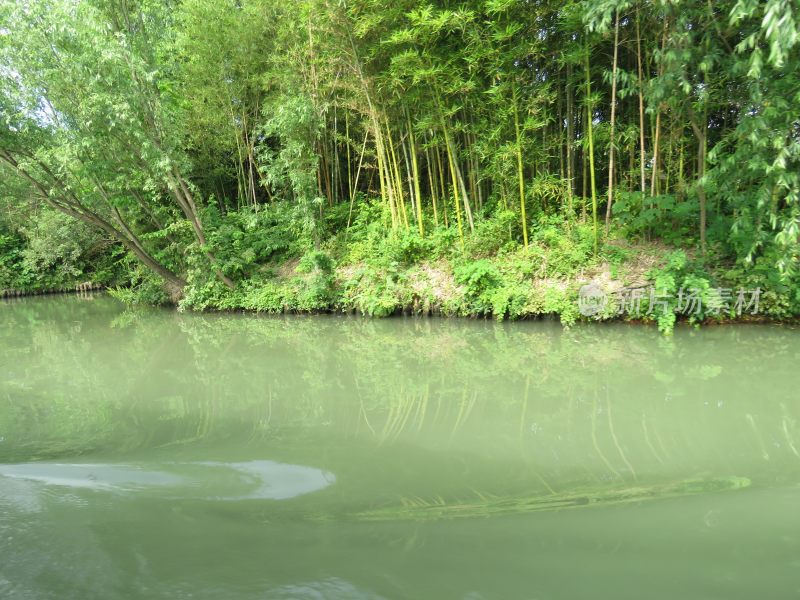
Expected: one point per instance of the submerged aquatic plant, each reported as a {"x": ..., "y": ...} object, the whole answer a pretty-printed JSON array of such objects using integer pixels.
[{"x": 419, "y": 509}]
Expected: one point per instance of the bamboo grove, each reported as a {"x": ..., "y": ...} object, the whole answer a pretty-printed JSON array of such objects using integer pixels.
[{"x": 150, "y": 120}]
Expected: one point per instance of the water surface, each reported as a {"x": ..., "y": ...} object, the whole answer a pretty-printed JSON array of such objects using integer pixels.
[{"x": 152, "y": 454}]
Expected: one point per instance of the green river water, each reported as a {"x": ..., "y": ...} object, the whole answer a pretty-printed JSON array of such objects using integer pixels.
[{"x": 156, "y": 455}]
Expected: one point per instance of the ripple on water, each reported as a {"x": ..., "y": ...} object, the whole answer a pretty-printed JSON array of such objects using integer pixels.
[{"x": 26, "y": 485}]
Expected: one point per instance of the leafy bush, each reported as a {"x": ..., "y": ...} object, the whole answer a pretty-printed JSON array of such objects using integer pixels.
[
  {"x": 145, "y": 288},
  {"x": 13, "y": 274},
  {"x": 480, "y": 279},
  {"x": 54, "y": 251},
  {"x": 493, "y": 233},
  {"x": 243, "y": 241},
  {"x": 266, "y": 296},
  {"x": 673, "y": 284},
  {"x": 666, "y": 216},
  {"x": 316, "y": 290},
  {"x": 372, "y": 291}
]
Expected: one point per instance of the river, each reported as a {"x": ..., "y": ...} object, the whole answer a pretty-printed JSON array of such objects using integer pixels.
[{"x": 153, "y": 454}]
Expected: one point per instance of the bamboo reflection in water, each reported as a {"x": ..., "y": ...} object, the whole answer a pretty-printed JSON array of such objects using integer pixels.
[
  {"x": 614, "y": 436},
  {"x": 600, "y": 453},
  {"x": 785, "y": 420}
]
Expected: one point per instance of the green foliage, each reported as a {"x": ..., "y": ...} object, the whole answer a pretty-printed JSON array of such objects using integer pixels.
[
  {"x": 480, "y": 280},
  {"x": 412, "y": 157},
  {"x": 674, "y": 283},
  {"x": 665, "y": 282},
  {"x": 57, "y": 247},
  {"x": 12, "y": 271},
  {"x": 315, "y": 287},
  {"x": 663, "y": 216},
  {"x": 290, "y": 165},
  {"x": 244, "y": 240},
  {"x": 316, "y": 262},
  {"x": 266, "y": 296},
  {"x": 367, "y": 241},
  {"x": 781, "y": 291},
  {"x": 144, "y": 289},
  {"x": 373, "y": 292},
  {"x": 561, "y": 249},
  {"x": 494, "y": 233},
  {"x": 52, "y": 251}
]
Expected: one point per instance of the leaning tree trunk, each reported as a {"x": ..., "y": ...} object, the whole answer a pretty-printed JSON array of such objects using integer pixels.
[{"x": 58, "y": 196}]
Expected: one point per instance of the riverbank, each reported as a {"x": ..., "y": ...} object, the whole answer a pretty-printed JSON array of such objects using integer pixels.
[
  {"x": 558, "y": 275},
  {"x": 358, "y": 266},
  {"x": 80, "y": 288}
]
